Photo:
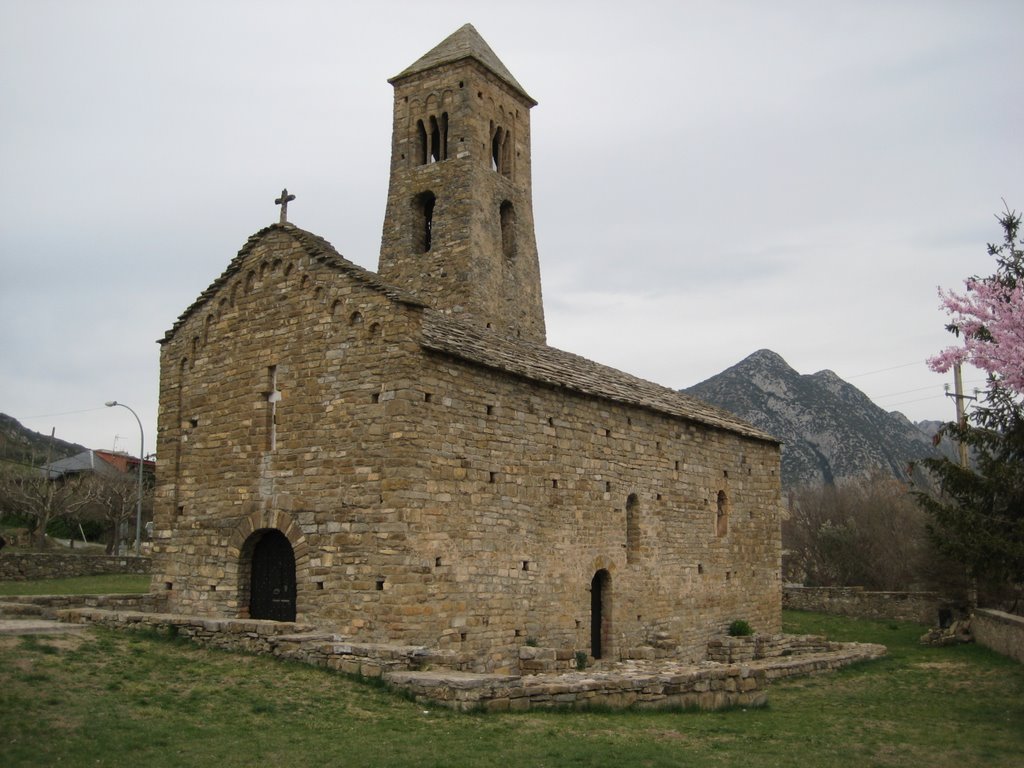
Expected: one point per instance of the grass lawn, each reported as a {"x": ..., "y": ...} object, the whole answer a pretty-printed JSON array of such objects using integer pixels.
[
  {"x": 111, "y": 699},
  {"x": 117, "y": 583}
]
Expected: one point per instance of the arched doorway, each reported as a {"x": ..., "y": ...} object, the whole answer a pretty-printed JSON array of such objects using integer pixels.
[
  {"x": 600, "y": 613},
  {"x": 272, "y": 581}
]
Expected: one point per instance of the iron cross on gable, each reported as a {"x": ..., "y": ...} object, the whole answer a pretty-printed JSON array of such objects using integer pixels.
[{"x": 283, "y": 201}]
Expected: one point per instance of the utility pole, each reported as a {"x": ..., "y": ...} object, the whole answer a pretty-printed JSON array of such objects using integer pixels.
[
  {"x": 961, "y": 411},
  {"x": 961, "y": 419}
]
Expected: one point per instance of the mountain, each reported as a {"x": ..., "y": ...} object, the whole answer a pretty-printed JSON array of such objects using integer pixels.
[
  {"x": 830, "y": 430},
  {"x": 21, "y": 445}
]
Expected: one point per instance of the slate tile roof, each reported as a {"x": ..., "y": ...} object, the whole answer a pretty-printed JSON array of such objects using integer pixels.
[
  {"x": 86, "y": 461},
  {"x": 463, "y": 43},
  {"x": 555, "y": 368}
]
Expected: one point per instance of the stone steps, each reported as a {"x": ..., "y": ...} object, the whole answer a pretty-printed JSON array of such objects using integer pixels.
[{"x": 10, "y": 609}]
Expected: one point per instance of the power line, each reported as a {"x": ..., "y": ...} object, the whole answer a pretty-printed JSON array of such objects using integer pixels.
[
  {"x": 883, "y": 370},
  {"x": 919, "y": 389},
  {"x": 916, "y": 400},
  {"x": 64, "y": 413}
]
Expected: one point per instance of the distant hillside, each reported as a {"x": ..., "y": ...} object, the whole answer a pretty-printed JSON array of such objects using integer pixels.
[
  {"x": 830, "y": 429},
  {"x": 21, "y": 445}
]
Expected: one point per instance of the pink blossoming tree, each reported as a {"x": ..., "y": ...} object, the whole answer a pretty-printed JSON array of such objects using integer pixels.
[
  {"x": 977, "y": 518},
  {"x": 989, "y": 316}
]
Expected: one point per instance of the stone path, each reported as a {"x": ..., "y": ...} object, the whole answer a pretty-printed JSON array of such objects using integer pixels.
[{"x": 36, "y": 626}]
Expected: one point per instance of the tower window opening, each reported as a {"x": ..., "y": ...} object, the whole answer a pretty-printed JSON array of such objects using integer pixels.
[
  {"x": 500, "y": 151},
  {"x": 432, "y": 139},
  {"x": 421, "y": 143},
  {"x": 424, "y": 206},
  {"x": 507, "y": 215},
  {"x": 435, "y": 141}
]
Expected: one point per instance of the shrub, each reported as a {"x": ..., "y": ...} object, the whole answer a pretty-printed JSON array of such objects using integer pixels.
[
  {"x": 740, "y": 628},
  {"x": 581, "y": 660}
]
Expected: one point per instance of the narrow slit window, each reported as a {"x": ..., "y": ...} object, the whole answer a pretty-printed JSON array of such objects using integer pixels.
[
  {"x": 273, "y": 398},
  {"x": 632, "y": 528},
  {"x": 424, "y": 206},
  {"x": 507, "y": 216}
]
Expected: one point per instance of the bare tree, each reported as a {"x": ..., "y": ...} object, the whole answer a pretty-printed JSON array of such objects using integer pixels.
[
  {"x": 868, "y": 533},
  {"x": 39, "y": 499},
  {"x": 114, "y": 504}
]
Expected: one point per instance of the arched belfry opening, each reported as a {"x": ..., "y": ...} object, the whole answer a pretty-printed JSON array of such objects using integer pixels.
[
  {"x": 600, "y": 614},
  {"x": 268, "y": 559}
]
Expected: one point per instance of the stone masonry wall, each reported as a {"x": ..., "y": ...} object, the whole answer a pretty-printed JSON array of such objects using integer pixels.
[
  {"x": 280, "y": 322},
  {"x": 549, "y": 487},
  {"x": 920, "y": 607},
  {"x": 1002, "y": 632},
  {"x": 25, "y": 566}
]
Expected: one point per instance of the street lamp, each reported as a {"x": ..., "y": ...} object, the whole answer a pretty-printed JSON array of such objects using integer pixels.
[{"x": 142, "y": 453}]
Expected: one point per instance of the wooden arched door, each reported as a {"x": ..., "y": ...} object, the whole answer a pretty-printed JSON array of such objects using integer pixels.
[{"x": 272, "y": 584}]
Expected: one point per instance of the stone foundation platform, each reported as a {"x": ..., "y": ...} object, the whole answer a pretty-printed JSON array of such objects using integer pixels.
[{"x": 439, "y": 677}]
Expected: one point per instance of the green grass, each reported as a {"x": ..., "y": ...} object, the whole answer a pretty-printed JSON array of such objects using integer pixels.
[
  {"x": 117, "y": 583},
  {"x": 121, "y": 699}
]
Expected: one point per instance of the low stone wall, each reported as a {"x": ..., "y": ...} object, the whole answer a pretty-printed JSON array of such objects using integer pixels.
[
  {"x": 440, "y": 677},
  {"x": 25, "y": 566},
  {"x": 1002, "y": 632},
  {"x": 283, "y": 639},
  {"x": 856, "y": 602},
  {"x": 48, "y": 606},
  {"x": 734, "y": 650}
]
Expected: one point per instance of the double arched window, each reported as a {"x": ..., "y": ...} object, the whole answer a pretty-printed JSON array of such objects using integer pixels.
[{"x": 432, "y": 139}]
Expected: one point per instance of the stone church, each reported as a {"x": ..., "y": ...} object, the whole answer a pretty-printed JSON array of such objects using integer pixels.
[{"x": 400, "y": 457}]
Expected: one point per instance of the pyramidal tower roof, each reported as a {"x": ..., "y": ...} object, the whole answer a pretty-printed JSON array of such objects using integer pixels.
[{"x": 463, "y": 43}]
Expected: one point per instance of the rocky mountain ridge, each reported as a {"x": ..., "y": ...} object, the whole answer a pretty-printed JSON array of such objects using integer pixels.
[
  {"x": 831, "y": 431},
  {"x": 21, "y": 445}
]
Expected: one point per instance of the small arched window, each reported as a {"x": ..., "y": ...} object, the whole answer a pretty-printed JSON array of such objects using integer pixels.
[
  {"x": 507, "y": 214},
  {"x": 722, "y": 515},
  {"x": 423, "y": 207}
]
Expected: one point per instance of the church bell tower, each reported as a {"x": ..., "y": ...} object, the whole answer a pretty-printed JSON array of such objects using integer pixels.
[{"x": 458, "y": 229}]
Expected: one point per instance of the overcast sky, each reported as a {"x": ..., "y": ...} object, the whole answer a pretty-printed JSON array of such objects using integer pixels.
[{"x": 710, "y": 178}]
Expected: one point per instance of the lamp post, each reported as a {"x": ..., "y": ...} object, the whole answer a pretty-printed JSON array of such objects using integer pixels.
[{"x": 142, "y": 454}]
